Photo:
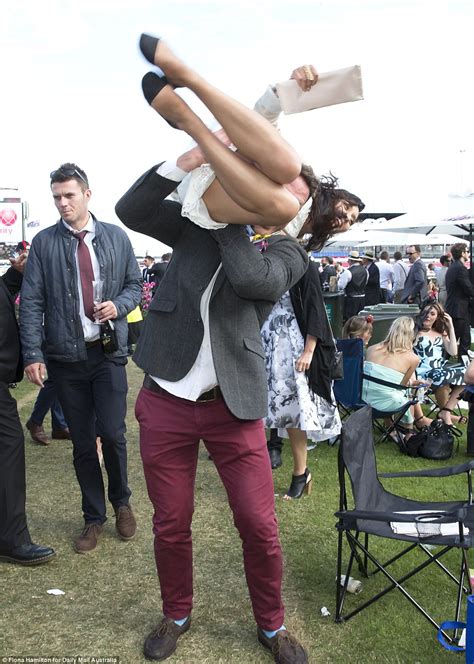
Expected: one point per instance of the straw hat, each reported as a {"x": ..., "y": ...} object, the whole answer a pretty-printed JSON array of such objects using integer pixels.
[
  {"x": 354, "y": 256},
  {"x": 369, "y": 255}
]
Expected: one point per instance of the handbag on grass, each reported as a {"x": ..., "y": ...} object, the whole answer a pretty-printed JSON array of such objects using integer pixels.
[{"x": 435, "y": 441}]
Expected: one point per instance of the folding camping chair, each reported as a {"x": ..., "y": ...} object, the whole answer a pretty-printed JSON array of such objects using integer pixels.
[
  {"x": 347, "y": 391},
  {"x": 374, "y": 510},
  {"x": 395, "y": 415}
]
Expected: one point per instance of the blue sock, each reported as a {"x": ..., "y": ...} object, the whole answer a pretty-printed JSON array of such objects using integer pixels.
[
  {"x": 270, "y": 635},
  {"x": 181, "y": 622}
]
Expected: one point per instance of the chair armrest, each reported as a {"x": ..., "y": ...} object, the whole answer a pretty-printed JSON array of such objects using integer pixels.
[
  {"x": 433, "y": 472},
  {"x": 436, "y": 516}
]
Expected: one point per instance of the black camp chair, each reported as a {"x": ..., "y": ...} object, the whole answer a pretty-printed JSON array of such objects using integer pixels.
[{"x": 375, "y": 508}]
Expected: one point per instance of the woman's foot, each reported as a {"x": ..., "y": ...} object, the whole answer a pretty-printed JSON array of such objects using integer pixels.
[
  {"x": 445, "y": 415},
  {"x": 161, "y": 96},
  {"x": 158, "y": 53},
  {"x": 421, "y": 422},
  {"x": 299, "y": 484}
]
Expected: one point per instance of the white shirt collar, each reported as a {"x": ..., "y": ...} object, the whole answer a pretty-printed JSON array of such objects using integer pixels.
[{"x": 90, "y": 226}]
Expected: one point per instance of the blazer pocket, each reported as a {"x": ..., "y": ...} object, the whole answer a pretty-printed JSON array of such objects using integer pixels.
[
  {"x": 254, "y": 347},
  {"x": 160, "y": 303}
]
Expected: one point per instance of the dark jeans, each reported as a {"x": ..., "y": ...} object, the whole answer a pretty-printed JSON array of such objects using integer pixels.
[
  {"x": 13, "y": 528},
  {"x": 93, "y": 395},
  {"x": 47, "y": 399},
  {"x": 462, "y": 331},
  {"x": 274, "y": 442}
]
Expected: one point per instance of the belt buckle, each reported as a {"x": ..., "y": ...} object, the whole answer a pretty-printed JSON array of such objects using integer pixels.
[{"x": 210, "y": 395}]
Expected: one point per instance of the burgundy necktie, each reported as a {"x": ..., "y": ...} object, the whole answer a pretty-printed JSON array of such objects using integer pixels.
[{"x": 87, "y": 275}]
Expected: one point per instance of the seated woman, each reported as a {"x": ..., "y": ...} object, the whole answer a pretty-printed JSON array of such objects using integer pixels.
[
  {"x": 434, "y": 343},
  {"x": 393, "y": 360},
  {"x": 359, "y": 327},
  {"x": 263, "y": 183}
]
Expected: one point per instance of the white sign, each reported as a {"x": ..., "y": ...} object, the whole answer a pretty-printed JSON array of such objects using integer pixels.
[{"x": 10, "y": 222}]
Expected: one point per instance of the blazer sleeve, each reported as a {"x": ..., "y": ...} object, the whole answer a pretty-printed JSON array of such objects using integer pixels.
[
  {"x": 32, "y": 306},
  {"x": 255, "y": 275},
  {"x": 464, "y": 283},
  {"x": 419, "y": 278},
  {"x": 143, "y": 208}
]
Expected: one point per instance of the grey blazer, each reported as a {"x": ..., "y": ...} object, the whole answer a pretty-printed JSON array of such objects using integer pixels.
[
  {"x": 246, "y": 288},
  {"x": 416, "y": 284}
]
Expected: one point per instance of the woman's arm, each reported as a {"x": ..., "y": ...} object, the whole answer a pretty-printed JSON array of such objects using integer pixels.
[
  {"x": 449, "y": 339},
  {"x": 414, "y": 362},
  {"x": 304, "y": 360}
]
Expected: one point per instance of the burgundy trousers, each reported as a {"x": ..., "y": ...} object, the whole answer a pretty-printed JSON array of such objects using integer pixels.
[{"x": 170, "y": 430}]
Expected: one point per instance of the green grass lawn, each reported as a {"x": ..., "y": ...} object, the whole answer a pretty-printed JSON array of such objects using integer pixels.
[{"x": 112, "y": 597}]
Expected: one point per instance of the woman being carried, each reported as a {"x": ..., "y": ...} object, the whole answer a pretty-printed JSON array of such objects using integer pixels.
[
  {"x": 263, "y": 183},
  {"x": 435, "y": 342},
  {"x": 394, "y": 361}
]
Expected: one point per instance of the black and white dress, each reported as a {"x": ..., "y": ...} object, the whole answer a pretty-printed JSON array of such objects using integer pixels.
[
  {"x": 433, "y": 364},
  {"x": 291, "y": 402}
]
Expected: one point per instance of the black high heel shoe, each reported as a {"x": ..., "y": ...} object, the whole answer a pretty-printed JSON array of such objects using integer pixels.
[
  {"x": 152, "y": 85},
  {"x": 300, "y": 484},
  {"x": 148, "y": 46}
]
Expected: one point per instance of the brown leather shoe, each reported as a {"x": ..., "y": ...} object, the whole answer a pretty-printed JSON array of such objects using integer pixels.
[
  {"x": 38, "y": 434},
  {"x": 125, "y": 523},
  {"x": 285, "y": 648},
  {"x": 61, "y": 434},
  {"x": 87, "y": 540},
  {"x": 161, "y": 642}
]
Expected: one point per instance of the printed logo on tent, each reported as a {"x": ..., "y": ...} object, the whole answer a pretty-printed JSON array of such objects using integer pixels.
[{"x": 8, "y": 216}]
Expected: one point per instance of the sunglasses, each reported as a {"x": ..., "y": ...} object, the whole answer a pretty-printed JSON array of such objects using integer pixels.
[
  {"x": 411, "y": 253},
  {"x": 69, "y": 173}
]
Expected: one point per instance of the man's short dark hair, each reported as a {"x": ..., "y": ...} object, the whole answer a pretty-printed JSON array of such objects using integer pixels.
[
  {"x": 70, "y": 171},
  {"x": 383, "y": 255},
  {"x": 444, "y": 260},
  {"x": 397, "y": 256},
  {"x": 166, "y": 258},
  {"x": 149, "y": 258},
  {"x": 457, "y": 250},
  {"x": 416, "y": 247},
  {"x": 330, "y": 260}
]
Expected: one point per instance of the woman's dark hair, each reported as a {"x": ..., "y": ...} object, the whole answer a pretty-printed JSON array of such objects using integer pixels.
[
  {"x": 439, "y": 325},
  {"x": 325, "y": 194}
]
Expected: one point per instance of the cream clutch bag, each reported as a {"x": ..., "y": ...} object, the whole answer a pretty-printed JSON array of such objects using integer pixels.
[{"x": 333, "y": 87}]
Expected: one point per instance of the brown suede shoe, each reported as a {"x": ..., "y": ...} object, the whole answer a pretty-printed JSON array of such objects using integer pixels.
[
  {"x": 161, "y": 642},
  {"x": 125, "y": 523},
  {"x": 38, "y": 434},
  {"x": 87, "y": 540},
  {"x": 285, "y": 648},
  {"x": 61, "y": 434}
]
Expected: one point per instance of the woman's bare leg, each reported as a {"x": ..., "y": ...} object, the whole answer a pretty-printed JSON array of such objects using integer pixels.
[
  {"x": 253, "y": 136},
  {"x": 299, "y": 450},
  {"x": 242, "y": 193}
]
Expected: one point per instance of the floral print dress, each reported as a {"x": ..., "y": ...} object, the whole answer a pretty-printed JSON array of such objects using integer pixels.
[
  {"x": 433, "y": 364},
  {"x": 291, "y": 402}
]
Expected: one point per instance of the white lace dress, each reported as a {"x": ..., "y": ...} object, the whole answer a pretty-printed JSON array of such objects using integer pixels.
[{"x": 291, "y": 402}]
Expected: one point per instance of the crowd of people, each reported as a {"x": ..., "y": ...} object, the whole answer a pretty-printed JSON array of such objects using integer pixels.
[{"x": 235, "y": 340}]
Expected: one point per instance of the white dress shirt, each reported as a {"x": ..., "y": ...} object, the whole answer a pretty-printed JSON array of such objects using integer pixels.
[{"x": 90, "y": 329}]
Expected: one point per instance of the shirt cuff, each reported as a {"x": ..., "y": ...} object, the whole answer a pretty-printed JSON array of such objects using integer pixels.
[
  {"x": 170, "y": 171},
  {"x": 269, "y": 106}
]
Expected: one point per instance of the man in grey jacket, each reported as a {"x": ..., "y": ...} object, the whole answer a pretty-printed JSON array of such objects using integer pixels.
[
  {"x": 64, "y": 262},
  {"x": 203, "y": 358},
  {"x": 415, "y": 289}
]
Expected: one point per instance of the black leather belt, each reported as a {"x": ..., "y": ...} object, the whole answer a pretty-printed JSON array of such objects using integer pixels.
[
  {"x": 92, "y": 344},
  {"x": 211, "y": 395}
]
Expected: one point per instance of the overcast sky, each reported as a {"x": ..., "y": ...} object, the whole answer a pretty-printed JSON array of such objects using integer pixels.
[{"x": 71, "y": 73}]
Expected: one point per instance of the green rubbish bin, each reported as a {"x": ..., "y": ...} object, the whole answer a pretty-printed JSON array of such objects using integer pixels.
[
  {"x": 334, "y": 303},
  {"x": 384, "y": 315}
]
